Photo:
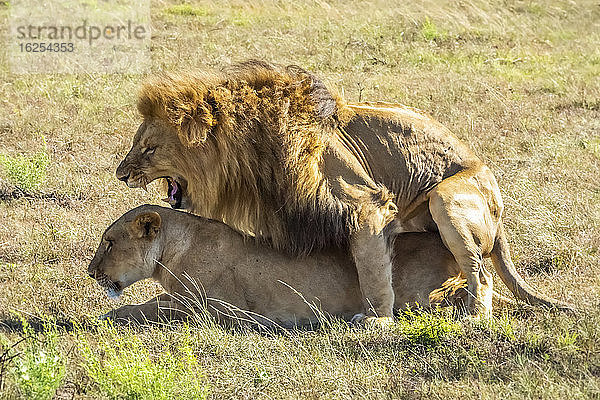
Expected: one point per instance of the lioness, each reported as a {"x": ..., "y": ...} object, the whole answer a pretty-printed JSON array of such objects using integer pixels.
[
  {"x": 272, "y": 153},
  {"x": 209, "y": 263}
]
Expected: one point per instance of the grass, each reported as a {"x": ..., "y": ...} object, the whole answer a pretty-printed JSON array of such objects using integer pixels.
[
  {"x": 186, "y": 10},
  {"x": 430, "y": 31},
  {"x": 426, "y": 329},
  {"x": 126, "y": 368},
  {"x": 27, "y": 172},
  {"x": 39, "y": 370},
  {"x": 517, "y": 81},
  {"x": 594, "y": 146},
  {"x": 510, "y": 356}
]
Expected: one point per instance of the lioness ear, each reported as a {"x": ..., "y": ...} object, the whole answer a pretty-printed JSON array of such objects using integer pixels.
[{"x": 145, "y": 225}]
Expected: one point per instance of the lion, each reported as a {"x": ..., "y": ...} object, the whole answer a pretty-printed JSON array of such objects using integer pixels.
[
  {"x": 272, "y": 153},
  {"x": 205, "y": 265}
]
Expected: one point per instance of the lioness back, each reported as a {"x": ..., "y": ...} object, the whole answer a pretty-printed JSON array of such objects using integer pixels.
[{"x": 196, "y": 257}]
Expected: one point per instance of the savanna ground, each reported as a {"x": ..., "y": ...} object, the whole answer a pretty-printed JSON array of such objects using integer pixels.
[{"x": 517, "y": 80}]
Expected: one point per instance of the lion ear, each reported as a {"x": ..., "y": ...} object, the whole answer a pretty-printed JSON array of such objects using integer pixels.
[
  {"x": 145, "y": 225},
  {"x": 194, "y": 123}
]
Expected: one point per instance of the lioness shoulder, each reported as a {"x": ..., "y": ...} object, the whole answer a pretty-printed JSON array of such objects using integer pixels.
[{"x": 201, "y": 262}]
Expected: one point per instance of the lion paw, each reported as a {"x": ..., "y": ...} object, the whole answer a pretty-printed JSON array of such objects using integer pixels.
[{"x": 372, "y": 322}]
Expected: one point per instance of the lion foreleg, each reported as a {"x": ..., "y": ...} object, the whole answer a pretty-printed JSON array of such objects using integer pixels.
[
  {"x": 373, "y": 259},
  {"x": 371, "y": 250}
]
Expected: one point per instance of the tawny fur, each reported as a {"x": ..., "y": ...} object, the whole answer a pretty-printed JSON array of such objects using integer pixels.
[
  {"x": 269, "y": 151},
  {"x": 209, "y": 263},
  {"x": 267, "y": 129}
]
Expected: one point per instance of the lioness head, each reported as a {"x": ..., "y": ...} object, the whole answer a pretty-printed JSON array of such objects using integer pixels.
[
  {"x": 157, "y": 153},
  {"x": 128, "y": 251}
]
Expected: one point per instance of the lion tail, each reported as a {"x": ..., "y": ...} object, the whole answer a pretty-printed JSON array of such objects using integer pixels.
[{"x": 522, "y": 290}]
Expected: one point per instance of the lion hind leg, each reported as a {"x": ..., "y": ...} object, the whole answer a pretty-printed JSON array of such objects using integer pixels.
[
  {"x": 479, "y": 288},
  {"x": 462, "y": 217}
]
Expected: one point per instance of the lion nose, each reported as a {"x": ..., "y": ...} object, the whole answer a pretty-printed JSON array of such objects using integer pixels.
[
  {"x": 122, "y": 176},
  {"x": 123, "y": 171},
  {"x": 92, "y": 274}
]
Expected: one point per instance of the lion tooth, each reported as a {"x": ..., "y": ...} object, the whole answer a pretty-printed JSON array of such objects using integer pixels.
[{"x": 144, "y": 187}]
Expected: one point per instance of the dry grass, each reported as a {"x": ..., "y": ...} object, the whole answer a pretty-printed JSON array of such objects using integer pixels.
[{"x": 518, "y": 80}]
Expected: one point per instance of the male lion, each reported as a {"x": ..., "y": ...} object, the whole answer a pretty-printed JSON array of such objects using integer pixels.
[
  {"x": 204, "y": 262},
  {"x": 269, "y": 151}
]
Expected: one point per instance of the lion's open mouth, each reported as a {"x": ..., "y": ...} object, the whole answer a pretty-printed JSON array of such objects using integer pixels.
[{"x": 175, "y": 191}]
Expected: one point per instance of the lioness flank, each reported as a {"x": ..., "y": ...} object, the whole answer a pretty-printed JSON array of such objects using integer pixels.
[{"x": 211, "y": 264}]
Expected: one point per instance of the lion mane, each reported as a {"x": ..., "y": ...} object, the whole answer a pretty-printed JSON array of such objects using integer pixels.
[
  {"x": 267, "y": 126},
  {"x": 270, "y": 151}
]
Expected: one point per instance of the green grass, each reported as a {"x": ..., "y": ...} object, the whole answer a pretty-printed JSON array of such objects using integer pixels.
[
  {"x": 427, "y": 329},
  {"x": 430, "y": 31},
  {"x": 26, "y": 172},
  {"x": 594, "y": 146},
  {"x": 39, "y": 369},
  {"x": 122, "y": 366},
  {"x": 517, "y": 81},
  {"x": 186, "y": 10}
]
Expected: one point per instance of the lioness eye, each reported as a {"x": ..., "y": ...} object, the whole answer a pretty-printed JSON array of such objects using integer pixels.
[{"x": 149, "y": 150}]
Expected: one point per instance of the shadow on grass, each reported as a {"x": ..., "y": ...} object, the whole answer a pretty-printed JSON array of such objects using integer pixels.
[
  {"x": 9, "y": 192},
  {"x": 14, "y": 324}
]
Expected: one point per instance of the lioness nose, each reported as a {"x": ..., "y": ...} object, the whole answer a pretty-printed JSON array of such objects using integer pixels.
[{"x": 92, "y": 274}]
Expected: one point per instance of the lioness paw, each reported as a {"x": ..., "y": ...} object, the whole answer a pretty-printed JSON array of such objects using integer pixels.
[
  {"x": 105, "y": 317},
  {"x": 358, "y": 318}
]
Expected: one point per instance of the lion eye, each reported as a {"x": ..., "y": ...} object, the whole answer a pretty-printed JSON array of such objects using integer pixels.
[{"x": 149, "y": 150}]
